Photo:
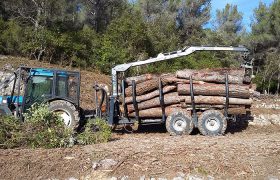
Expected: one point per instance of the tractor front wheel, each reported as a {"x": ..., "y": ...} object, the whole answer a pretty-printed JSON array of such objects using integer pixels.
[{"x": 67, "y": 111}]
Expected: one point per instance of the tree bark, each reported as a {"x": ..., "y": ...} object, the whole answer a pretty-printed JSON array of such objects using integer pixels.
[
  {"x": 217, "y": 100},
  {"x": 139, "y": 79},
  {"x": 235, "y": 76},
  {"x": 151, "y": 95},
  {"x": 215, "y": 90},
  {"x": 169, "y": 99},
  {"x": 157, "y": 112},
  {"x": 153, "y": 84}
]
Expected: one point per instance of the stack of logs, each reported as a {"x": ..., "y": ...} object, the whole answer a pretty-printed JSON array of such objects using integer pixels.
[{"x": 209, "y": 91}]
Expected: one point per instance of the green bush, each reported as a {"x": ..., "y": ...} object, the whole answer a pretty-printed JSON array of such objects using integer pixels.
[
  {"x": 95, "y": 131},
  {"x": 44, "y": 129},
  {"x": 11, "y": 134}
]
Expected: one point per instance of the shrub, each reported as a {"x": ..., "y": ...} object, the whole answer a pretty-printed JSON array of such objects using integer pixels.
[
  {"x": 11, "y": 134},
  {"x": 95, "y": 131},
  {"x": 46, "y": 129}
]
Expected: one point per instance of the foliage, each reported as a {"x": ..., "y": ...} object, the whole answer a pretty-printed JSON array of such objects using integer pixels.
[
  {"x": 95, "y": 131},
  {"x": 11, "y": 134},
  {"x": 124, "y": 41},
  {"x": 44, "y": 129},
  {"x": 99, "y": 34},
  {"x": 264, "y": 40}
]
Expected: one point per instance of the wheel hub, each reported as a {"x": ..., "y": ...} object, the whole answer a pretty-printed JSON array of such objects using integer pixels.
[
  {"x": 212, "y": 124},
  {"x": 180, "y": 125},
  {"x": 65, "y": 117}
]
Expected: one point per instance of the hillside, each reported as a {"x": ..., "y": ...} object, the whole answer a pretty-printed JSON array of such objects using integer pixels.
[{"x": 88, "y": 78}]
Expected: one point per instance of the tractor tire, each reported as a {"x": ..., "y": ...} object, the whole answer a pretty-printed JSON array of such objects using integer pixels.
[
  {"x": 212, "y": 123},
  {"x": 179, "y": 123},
  {"x": 67, "y": 111}
]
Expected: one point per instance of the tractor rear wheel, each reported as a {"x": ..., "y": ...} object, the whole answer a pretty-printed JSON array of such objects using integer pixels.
[
  {"x": 212, "y": 123},
  {"x": 67, "y": 111},
  {"x": 179, "y": 123}
]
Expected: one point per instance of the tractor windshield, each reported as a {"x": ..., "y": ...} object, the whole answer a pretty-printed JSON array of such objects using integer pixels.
[{"x": 39, "y": 88}]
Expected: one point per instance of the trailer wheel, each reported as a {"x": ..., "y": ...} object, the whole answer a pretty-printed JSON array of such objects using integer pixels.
[
  {"x": 67, "y": 111},
  {"x": 212, "y": 123},
  {"x": 179, "y": 123}
]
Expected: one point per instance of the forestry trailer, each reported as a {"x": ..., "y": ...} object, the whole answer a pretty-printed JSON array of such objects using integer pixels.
[
  {"x": 210, "y": 119},
  {"x": 61, "y": 89}
]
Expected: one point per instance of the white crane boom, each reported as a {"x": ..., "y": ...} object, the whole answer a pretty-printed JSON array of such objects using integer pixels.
[{"x": 166, "y": 56}]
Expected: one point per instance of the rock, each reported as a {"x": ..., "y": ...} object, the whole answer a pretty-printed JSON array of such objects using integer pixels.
[
  {"x": 72, "y": 178},
  {"x": 108, "y": 163},
  {"x": 8, "y": 67},
  {"x": 194, "y": 177},
  {"x": 210, "y": 178},
  {"x": 181, "y": 174},
  {"x": 162, "y": 179},
  {"x": 125, "y": 178},
  {"x": 113, "y": 178},
  {"x": 95, "y": 165},
  {"x": 275, "y": 119},
  {"x": 68, "y": 157},
  {"x": 272, "y": 178},
  {"x": 3, "y": 57},
  {"x": 142, "y": 177},
  {"x": 178, "y": 178}
]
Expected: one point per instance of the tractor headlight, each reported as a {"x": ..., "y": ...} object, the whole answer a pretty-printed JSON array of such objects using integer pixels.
[{"x": 5, "y": 101}]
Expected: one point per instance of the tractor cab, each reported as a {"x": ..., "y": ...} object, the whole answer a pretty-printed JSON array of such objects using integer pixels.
[
  {"x": 60, "y": 88},
  {"x": 45, "y": 85}
]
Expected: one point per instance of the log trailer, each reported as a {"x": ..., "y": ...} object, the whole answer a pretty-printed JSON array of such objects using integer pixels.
[{"x": 210, "y": 122}]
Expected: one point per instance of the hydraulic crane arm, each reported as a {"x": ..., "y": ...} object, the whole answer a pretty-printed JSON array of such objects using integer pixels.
[{"x": 166, "y": 56}]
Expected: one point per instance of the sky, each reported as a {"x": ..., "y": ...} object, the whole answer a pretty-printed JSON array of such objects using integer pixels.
[{"x": 245, "y": 6}]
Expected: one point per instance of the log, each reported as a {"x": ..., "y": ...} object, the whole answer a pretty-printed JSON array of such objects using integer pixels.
[
  {"x": 153, "y": 84},
  {"x": 139, "y": 79},
  {"x": 235, "y": 76},
  {"x": 169, "y": 99},
  {"x": 218, "y": 100},
  {"x": 156, "y": 112},
  {"x": 151, "y": 95},
  {"x": 143, "y": 87},
  {"x": 239, "y": 91},
  {"x": 208, "y": 106}
]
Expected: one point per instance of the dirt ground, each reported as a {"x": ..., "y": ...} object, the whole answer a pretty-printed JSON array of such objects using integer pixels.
[{"x": 243, "y": 153}]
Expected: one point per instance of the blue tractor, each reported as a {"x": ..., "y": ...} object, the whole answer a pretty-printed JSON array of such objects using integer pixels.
[{"x": 59, "y": 88}]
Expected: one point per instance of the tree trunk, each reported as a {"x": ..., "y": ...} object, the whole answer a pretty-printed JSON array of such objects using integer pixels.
[
  {"x": 235, "y": 76},
  {"x": 157, "y": 112},
  {"x": 217, "y": 100},
  {"x": 151, "y": 95},
  {"x": 139, "y": 79},
  {"x": 153, "y": 84},
  {"x": 215, "y": 90},
  {"x": 169, "y": 99}
]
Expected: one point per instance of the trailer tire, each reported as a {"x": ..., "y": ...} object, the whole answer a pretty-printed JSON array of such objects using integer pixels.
[
  {"x": 212, "y": 123},
  {"x": 67, "y": 111},
  {"x": 179, "y": 123}
]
